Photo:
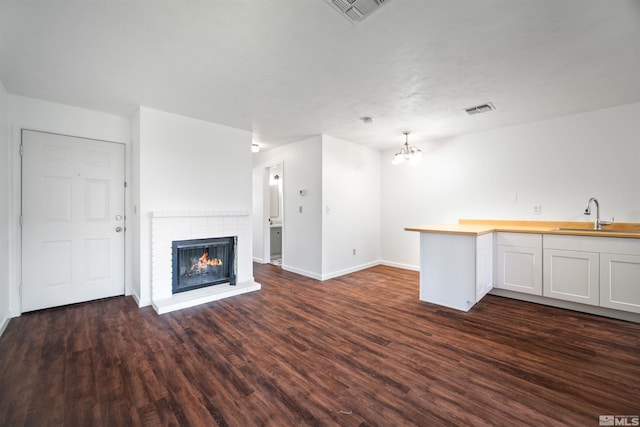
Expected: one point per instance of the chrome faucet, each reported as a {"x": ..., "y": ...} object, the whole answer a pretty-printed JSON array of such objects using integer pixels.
[{"x": 599, "y": 223}]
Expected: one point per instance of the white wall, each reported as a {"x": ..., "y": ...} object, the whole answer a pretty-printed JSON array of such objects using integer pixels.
[
  {"x": 557, "y": 163},
  {"x": 351, "y": 179},
  {"x": 133, "y": 221},
  {"x": 340, "y": 206},
  {"x": 5, "y": 294},
  {"x": 259, "y": 213},
  {"x": 302, "y": 231},
  {"x": 185, "y": 165},
  {"x": 35, "y": 114}
]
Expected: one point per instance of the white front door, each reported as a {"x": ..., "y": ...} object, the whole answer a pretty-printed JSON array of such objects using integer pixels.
[{"x": 73, "y": 220}]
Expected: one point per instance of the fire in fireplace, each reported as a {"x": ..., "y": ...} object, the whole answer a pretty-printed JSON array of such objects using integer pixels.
[{"x": 203, "y": 262}]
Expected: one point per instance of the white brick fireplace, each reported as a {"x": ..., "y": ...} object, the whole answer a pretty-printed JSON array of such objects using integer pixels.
[{"x": 169, "y": 226}]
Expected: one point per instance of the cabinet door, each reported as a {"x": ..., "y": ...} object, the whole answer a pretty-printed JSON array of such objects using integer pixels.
[
  {"x": 572, "y": 276},
  {"x": 620, "y": 282},
  {"x": 520, "y": 269}
]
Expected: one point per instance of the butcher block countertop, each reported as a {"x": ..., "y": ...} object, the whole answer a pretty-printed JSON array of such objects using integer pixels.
[{"x": 476, "y": 227}]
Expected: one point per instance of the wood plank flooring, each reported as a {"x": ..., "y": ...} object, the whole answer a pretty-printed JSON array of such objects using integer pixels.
[{"x": 359, "y": 350}]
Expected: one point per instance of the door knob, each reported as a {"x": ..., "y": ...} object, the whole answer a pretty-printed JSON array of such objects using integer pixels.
[{"x": 118, "y": 229}]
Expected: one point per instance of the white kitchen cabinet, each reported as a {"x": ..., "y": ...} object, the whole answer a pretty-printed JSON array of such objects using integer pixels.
[
  {"x": 484, "y": 265},
  {"x": 571, "y": 276},
  {"x": 519, "y": 263},
  {"x": 595, "y": 273},
  {"x": 620, "y": 281},
  {"x": 455, "y": 269},
  {"x": 602, "y": 271}
]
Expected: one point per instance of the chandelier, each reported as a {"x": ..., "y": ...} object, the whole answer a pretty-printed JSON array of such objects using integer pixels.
[{"x": 413, "y": 154}]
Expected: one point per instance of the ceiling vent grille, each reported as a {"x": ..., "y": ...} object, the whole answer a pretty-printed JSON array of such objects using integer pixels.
[
  {"x": 357, "y": 10},
  {"x": 479, "y": 109},
  {"x": 354, "y": 14},
  {"x": 343, "y": 5}
]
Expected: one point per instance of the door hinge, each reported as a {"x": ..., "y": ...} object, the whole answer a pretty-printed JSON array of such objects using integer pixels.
[
  {"x": 125, "y": 184},
  {"x": 21, "y": 220},
  {"x": 21, "y": 150}
]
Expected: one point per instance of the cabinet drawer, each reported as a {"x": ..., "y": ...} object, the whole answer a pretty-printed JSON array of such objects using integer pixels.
[
  {"x": 520, "y": 239},
  {"x": 614, "y": 245}
]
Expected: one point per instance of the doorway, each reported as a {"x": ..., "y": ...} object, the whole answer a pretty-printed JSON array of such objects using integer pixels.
[
  {"x": 275, "y": 220},
  {"x": 73, "y": 223}
]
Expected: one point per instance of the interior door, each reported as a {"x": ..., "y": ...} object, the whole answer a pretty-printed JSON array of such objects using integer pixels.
[{"x": 73, "y": 220}]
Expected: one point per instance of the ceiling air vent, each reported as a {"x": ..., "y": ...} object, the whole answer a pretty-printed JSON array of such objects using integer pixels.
[
  {"x": 356, "y": 10},
  {"x": 479, "y": 109},
  {"x": 354, "y": 14},
  {"x": 343, "y": 5}
]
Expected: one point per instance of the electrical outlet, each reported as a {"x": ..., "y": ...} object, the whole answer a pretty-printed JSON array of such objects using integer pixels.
[
  {"x": 300, "y": 209},
  {"x": 354, "y": 251},
  {"x": 537, "y": 210}
]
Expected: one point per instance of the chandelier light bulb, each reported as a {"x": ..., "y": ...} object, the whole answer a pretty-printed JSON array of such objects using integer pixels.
[{"x": 413, "y": 154}]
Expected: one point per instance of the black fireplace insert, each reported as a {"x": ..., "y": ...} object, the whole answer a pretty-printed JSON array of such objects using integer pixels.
[{"x": 203, "y": 262}]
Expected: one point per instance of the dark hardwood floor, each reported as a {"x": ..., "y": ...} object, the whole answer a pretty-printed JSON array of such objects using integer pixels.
[{"x": 354, "y": 351}]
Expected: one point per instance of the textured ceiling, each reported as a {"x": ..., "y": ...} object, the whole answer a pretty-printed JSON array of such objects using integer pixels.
[{"x": 288, "y": 69}]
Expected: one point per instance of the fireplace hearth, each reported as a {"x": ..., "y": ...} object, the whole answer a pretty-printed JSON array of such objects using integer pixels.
[{"x": 200, "y": 263}]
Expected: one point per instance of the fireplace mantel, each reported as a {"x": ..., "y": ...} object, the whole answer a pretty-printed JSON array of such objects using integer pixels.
[{"x": 167, "y": 226}]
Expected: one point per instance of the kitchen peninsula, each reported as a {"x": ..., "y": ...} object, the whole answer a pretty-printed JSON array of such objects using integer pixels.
[{"x": 563, "y": 264}]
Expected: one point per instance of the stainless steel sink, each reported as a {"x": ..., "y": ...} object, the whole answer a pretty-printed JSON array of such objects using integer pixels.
[{"x": 591, "y": 230}]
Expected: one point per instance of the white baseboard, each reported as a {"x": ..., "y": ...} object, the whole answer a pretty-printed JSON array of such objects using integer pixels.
[
  {"x": 399, "y": 265},
  {"x": 302, "y": 272},
  {"x": 141, "y": 303},
  {"x": 259, "y": 260},
  {"x": 349, "y": 270},
  {"x": 136, "y": 298},
  {"x": 3, "y": 324}
]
